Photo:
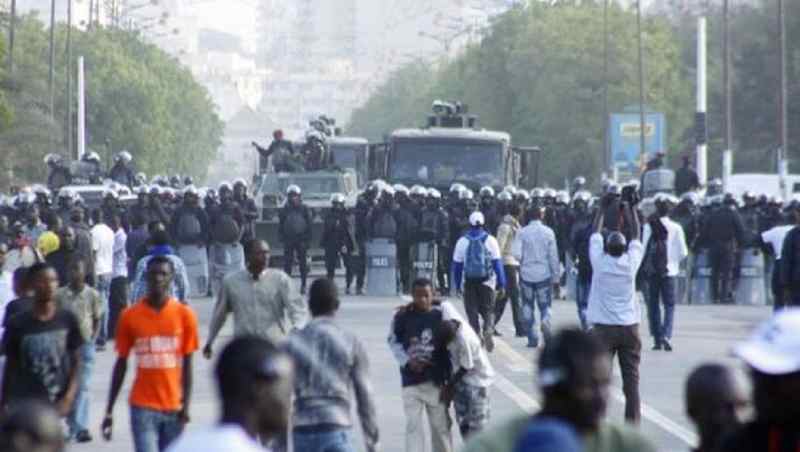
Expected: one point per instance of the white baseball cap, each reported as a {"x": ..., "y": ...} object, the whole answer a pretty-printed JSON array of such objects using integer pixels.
[
  {"x": 476, "y": 219},
  {"x": 774, "y": 349}
]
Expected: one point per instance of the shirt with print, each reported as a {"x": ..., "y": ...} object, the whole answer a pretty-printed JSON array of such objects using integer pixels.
[
  {"x": 159, "y": 340},
  {"x": 86, "y": 304},
  {"x": 412, "y": 337},
  {"x": 39, "y": 354},
  {"x": 260, "y": 307}
]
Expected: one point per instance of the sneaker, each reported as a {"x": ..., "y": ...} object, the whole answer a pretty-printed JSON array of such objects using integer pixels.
[
  {"x": 83, "y": 436},
  {"x": 360, "y": 291},
  {"x": 667, "y": 345},
  {"x": 656, "y": 345},
  {"x": 488, "y": 341},
  {"x": 533, "y": 344}
]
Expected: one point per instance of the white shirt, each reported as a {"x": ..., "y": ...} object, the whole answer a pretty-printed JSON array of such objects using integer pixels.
[
  {"x": 460, "y": 253},
  {"x": 6, "y": 294},
  {"x": 677, "y": 250},
  {"x": 220, "y": 438},
  {"x": 103, "y": 247},
  {"x": 612, "y": 298},
  {"x": 776, "y": 236},
  {"x": 466, "y": 351},
  {"x": 120, "y": 254},
  {"x": 536, "y": 250}
]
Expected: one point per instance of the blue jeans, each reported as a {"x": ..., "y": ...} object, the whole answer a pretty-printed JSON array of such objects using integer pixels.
[
  {"x": 103, "y": 284},
  {"x": 154, "y": 431},
  {"x": 661, "y": 289},
  {"x": 582, "y": 289},
  {"x": 78, "y": 417},
  {"x": 536, "y": 294},
  {"x": 336, "y": 440}
]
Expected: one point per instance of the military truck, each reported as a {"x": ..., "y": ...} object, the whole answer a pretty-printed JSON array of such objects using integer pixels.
[
  {"x": 451, "y": 148},
  {"x": 317, "y": 187}
]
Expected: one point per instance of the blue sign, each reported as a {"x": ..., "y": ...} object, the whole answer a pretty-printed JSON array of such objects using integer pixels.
[{"x": 625, "y": 138}]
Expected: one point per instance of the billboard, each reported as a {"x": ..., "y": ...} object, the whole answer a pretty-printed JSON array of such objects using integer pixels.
[{"x": 624, "y": 133}]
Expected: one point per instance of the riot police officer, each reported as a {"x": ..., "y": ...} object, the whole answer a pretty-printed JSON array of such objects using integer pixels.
[
  {"x": 248, "y": 208},
  {"x": 405, "y": 215},
  {"x": 121, "y": 172},
  {"x": 337, "y": 240},
  {"x": 295, "y": 233},
  {"x": 488, "y": 207},
  {"x": 723, "y": 230},
  {"x": 435, "y": 227},
  {"x": 59, "y": 174},
  {"x": 364, "y": 205}
]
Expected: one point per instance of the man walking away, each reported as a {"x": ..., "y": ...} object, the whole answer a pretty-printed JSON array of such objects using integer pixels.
[
  {"x": 574, "y": 380},
  {"x": 254, "y": 383},
  {"x": 536, "y": 250},
  {"x": 613, "y": 309},
  {"x": 103, "y": 248},
  {"x": 477, "y": 258},
  {"x": 87, "y": 306},
  {"x": 506, "y": 233},
  {"x": 332, "y": 369},
  {"x": 773, "y": 240},
  {"x": 790, "y": 261},
  {"x": 468, "y": 385},
  {"x": 714, "y": 400},
  {"x": 42, "y": 348},
  {"x": 773, "y": 357},
  {"x": 665, "y": 249},
  {"x": 118, "y": 299},
  {"x": 162, "y": 333},
  {"x": 260, "y": 298},
  {"x": 411, "y": 339}
]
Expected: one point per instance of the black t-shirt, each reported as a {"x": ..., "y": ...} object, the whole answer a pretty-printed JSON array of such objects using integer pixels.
[
  {"x": 416, "y": 332},
  {"x": 40, "y": 355},
  {"x": 15, "y": 307},
  {"x": 759, "y": 437}
]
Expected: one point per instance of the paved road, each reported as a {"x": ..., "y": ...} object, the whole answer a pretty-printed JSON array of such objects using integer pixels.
[{"x": 703, "y": 333}]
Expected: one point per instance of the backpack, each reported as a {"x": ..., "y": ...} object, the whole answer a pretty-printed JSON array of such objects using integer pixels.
[
  {"x": 656, "y": 254},
  {"x": 226, "y": 229},
  {"x": 478, "y": 261},
  {"x": 188, "y": 227}
]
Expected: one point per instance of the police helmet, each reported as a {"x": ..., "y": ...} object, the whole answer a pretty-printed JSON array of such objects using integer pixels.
[
  {"x": 337, "y": 198},
  {"x": 418, "y": 190},
  {"x": 224, "y": 186},
  {"x": 579, "y": 181},
  {"x": 188, "y": 180},
  {"x": 141, "y": 190},
  {"x": 155, "y": 189},
  {"x": 690, "y": 197},
  {"x": 614, "y": 189},
  {"x": 536, "y": 193},
  {"x": 486, "y": 191},
  {"x": 562, "y": 197},
  {"x": 293, "y": 190},
  {"x": 522, "y": 194},
  {"x": 190, "y": 190},
  {"x": 466, "y": 195},
  {"x": 457, "y": 187},
  {"x": 124, "y": 157},
  {"x": 505, "y": 196},
  {"x": 548, "y": 193},
  {"x": 776, "y": 200},
  {"x": 434, "y": 193},
  {"x": 400, "y": 188},
  {"x": 66, "y": 193},
  {"x": 53, "y": 158},
  {"x": 582, "y": 196},
  {"x": 511, "y": 189},
  {"x": 110, "y": 193},
  {"x": 92, "y": 157},
  {"x": 240, "y": 181},
  {"x": 387, "y": 190}
]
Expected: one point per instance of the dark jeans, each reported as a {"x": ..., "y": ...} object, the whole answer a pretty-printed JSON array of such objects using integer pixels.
[
  {"x": 661, "y": 288},
  {"x": 624, "y": 342},
  {"x": 359, "y": 264},
  {"x": 117, "y": 302},
  {"x": 722, "y": 257},
  {"x": 778, "y": 300},
  {"x": 582, "y": 288},
  {"x": 479, "y": 305},
  {"x": 154, "y": 431},
  {"x": 332, "y": 260},
  {"x": 404, "y": 265},
  {"x": 333, "y": 440},
  {"x": 512, "y": 293},
  {"x": 292, "y": 251}
]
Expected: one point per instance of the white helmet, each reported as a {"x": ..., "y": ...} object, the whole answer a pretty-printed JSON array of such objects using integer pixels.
[
  {"x": 457, "y": 187},
  {"x": 92, "y": 157},
  {"x": 190, "y": 190},
  {"x": 124, "y": 156},
  {"x": 505, "y": 196},
  {"x": 562, "y": 197},
  {"x": 400, "y": 188},
  {"x": 522, "y": 194},
  {"x": 66, "y": 193},
  {"x": 337, "y": 198},
  {"x": 387, "y": 190},
  {"x": 53, "y": 158},
  {"x": 486, "y": 191},
  {"x": 418, "y": 190},
  {"x": 537, "y": 193},
  {"x": 511, "y": 189},
  {"x": 466, "y": 194},
  {"x": 240, "y": 181},
  {"x": 434, "y": 193},
  {"x": 293, "y": 190},
  {"x": 548, "y": 193},
  {"x": 691, "y": 197}
]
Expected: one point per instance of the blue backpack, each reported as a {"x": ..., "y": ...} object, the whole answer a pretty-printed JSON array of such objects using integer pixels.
[{"x": 478, "y": 261}]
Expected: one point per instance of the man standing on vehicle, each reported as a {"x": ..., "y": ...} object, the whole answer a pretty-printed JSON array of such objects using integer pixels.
[
  {"x": 295, "y": 233},
  {"x": 477, "y": 258}
]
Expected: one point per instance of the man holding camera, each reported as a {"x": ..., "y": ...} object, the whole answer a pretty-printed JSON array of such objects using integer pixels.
[{"x": 614, "y": 311}]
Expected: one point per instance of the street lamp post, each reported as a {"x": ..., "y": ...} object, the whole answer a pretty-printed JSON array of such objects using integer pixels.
[
  {"x": 11, "y": 26},
  {"x": 52, "y": 55},
  {"x": 641, "y": 76}
]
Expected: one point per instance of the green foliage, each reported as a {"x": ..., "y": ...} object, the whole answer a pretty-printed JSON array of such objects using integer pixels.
[
  {"x": 538, "y": 74},
  {"x": 138, "y": 98}
]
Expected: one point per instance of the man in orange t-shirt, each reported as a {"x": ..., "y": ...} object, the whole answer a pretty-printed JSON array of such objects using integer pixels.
[{"x": 162, "y": 333}]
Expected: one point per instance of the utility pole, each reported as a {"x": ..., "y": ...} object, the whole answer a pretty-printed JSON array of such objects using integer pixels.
[
  {"x": 52, "y": 56},
  {"x": 11, "y": 26},
  {"x": 702, "y": 102},
  {"x": 783, "y": 151},
  {"x": 69, "y": 77},
  {"x": 607, "y": 147},
  {"x": 641, "y": 77},
  {"x": 727, "y": 155}
]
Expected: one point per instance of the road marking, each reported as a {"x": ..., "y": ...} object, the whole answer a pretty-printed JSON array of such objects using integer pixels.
[{"x": 527, "y": 403}]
